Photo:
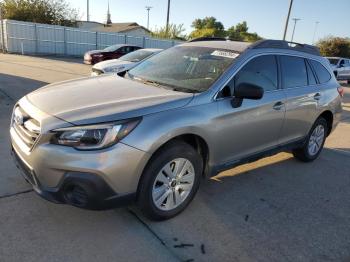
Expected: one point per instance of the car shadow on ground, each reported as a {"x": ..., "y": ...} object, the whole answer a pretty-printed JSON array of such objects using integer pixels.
[
  {"x": 70, "y": 59},
  {"x": 269, "y": 210},
  {"x": 14, "y": 87}
]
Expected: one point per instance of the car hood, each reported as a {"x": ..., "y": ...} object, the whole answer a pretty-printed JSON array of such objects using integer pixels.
[
  {"x": 103, "y": 99},
  {"x": 111, "y": 63}
]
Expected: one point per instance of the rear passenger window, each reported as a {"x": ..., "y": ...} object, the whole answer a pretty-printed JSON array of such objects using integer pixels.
[
  {"x": 322, "y": 73},
  {"x": 293, "y": 71},
  {"x": 310, "y": 75},
  {"x": 260, "y": 71}
]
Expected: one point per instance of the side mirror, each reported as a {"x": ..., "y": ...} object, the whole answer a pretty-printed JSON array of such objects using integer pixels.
[{"x": 246, "y": 91}]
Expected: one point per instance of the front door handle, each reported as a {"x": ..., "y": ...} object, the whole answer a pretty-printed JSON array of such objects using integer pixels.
[
  {"x": 317, "y": 96},
  {"x": 278, "y": 105}
]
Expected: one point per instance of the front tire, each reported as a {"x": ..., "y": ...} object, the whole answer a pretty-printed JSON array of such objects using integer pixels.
[
  {"x": 314, "y": 142},
  {"x": 170, "y": 181}
]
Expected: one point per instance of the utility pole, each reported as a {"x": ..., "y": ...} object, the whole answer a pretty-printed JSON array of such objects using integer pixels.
[
  {"x": 313, "y": 38},
  {"x": 87, "y": 10},
  {"x": 2, "y": 31},
  {"x": 295, "y": 23},
  {"x": 148, "y": 8},
  {"x": 287, "y": 20},
  {"x": 167, "y": 19}
]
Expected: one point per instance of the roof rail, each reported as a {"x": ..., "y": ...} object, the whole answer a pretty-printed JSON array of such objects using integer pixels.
[
  {"x": 205, "y": 38},
  {"x": 286, "y": 45}
]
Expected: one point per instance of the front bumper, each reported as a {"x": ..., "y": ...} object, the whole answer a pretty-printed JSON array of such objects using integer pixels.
[
  {"x": 88, "y": 179},
  {"x": 84, "y": 190}
]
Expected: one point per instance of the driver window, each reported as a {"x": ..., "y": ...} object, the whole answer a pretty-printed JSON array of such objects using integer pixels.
[{"x": 260, "y": 71}]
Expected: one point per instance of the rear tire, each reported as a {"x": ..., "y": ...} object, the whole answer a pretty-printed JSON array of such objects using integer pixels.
[
  {"x": 170, "y": 181},
  {"x": 348, "y": 82},
  {"x": 314, "y": 142}
]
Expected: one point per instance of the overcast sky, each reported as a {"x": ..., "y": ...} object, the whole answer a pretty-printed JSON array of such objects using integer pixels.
[{"x": 266, "y": 17}]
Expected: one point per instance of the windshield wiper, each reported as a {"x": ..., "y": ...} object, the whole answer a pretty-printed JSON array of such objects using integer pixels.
[
  {"x": 146, "y": 81},
  {"x": 185, "y": 90},
  {"x": 166, "y": 86}
]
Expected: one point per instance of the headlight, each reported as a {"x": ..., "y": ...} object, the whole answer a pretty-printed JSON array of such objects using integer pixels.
[
  {"x": 93, "y": 137},
  {"x": 114, "y": 69}
]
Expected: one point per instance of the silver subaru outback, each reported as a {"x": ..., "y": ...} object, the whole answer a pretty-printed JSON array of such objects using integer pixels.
[{"x": 151, "y": 134}]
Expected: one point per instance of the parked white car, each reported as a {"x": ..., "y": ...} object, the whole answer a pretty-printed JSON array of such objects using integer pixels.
[
  {"x": 341, "y": 67},
  {"x": 123, "y": 63}
]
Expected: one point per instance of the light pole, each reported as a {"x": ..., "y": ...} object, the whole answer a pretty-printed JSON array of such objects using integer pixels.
[
  {"x": 313, "y": 38},
  {"x": 167, "y": 18},
  {"x": 148, "y": 8},
  {"x": 287, "y": 19},
  {"x": 87, "y": 11},
  {"x": 295, "y": 23}
]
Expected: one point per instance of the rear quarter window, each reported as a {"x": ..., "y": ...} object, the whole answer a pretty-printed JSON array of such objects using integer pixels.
[{"x": 321, "y": 72}]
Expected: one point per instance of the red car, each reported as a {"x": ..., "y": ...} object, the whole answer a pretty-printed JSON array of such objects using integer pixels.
[{"x": 112, "y": 52}]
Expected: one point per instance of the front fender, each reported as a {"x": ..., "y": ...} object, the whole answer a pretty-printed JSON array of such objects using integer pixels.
[{"x": 157, "y": 129}]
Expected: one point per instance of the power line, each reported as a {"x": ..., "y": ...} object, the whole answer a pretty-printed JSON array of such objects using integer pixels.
[
  {"x": 295, "y": 23},
  {"x": 313, "y": 38}
]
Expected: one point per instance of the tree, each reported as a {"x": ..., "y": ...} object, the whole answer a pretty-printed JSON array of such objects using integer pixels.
[
  {"x": 57, "y": 12},
  {"x": 240, "y": 33},
  {"x": 242, "y": 27},
  {"x": 334, "y": 46},
  {"x": 174, "y": 32},
  {"x": 208, "y": 26},
  {"x": 207, "y": 23}
]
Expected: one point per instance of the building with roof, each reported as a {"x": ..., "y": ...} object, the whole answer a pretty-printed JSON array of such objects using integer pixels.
[{"x": 130, "y": 28}]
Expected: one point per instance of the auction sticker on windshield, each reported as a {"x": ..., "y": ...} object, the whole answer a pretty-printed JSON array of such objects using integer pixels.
[{"x": 225, "y": 54}]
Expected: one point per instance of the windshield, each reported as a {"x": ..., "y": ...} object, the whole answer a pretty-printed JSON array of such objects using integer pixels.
[
  {"x": 184, "y": 68},
  {"x": 111, "y": 48},
  {"x": 136, "y": 56},
  {"x": 333, "y": 61}
]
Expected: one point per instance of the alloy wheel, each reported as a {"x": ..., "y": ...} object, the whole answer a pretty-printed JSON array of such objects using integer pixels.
[
  {"x": 316, "y": 140},
  {"x": 173, "y": 184}
]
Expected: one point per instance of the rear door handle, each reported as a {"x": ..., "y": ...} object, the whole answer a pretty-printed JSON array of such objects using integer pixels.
[
  {"x": 317, "y": 96},
  {"x": 278, "y": 105}
]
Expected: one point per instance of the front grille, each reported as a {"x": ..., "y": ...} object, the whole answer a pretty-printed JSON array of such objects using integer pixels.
[
  {"x": 26, "y": 127},
  {"x": 27, "y": 172}
]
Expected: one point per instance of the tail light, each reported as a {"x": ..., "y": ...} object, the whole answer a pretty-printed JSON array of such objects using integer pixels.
[{"x": 341, "y": 91}]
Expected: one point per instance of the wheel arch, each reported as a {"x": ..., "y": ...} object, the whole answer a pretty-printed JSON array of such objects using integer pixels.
[
  {"x": 194, "y": 140},
  {"x": 328, "y": 116}
]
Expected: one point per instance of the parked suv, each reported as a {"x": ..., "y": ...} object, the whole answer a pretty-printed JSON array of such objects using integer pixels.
[
  {"x": 341, "y": 67},
  {"x": 150, "y": 134}
]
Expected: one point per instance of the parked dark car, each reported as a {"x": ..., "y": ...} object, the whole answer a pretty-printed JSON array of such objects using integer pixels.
[{"x": 112, "y": 52}]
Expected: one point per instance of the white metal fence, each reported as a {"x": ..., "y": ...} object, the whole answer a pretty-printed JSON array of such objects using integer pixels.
[{"x": 33, "y": 38}]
